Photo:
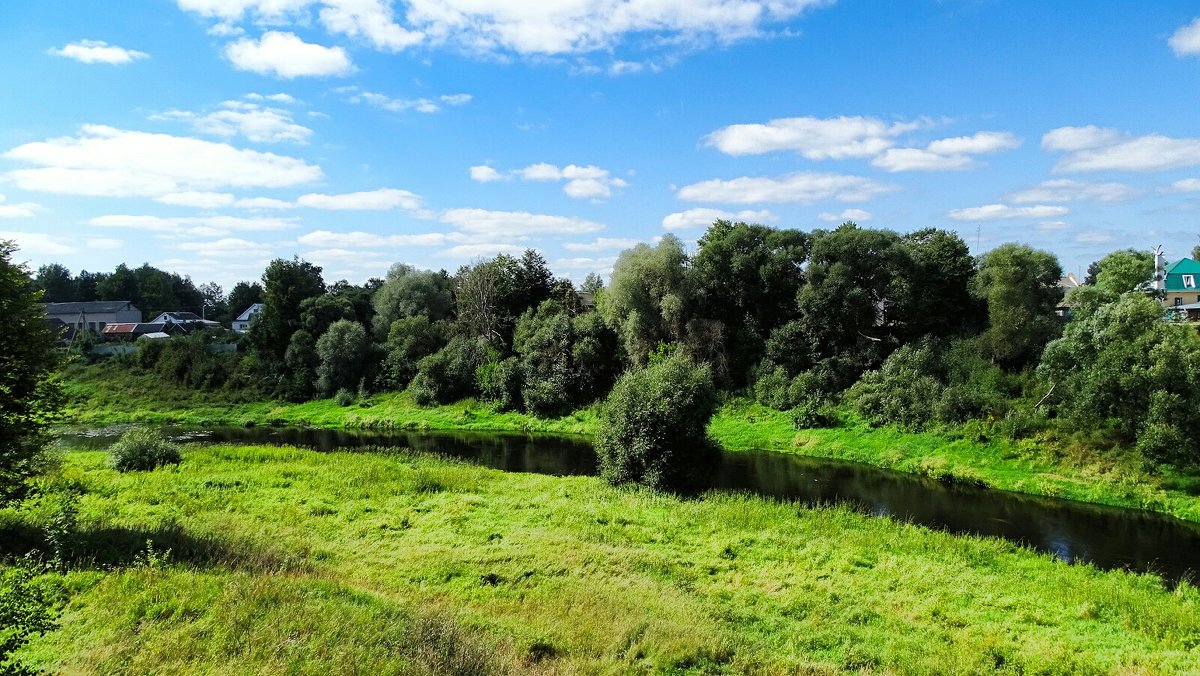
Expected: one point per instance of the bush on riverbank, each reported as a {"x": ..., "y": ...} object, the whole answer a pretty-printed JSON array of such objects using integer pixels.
[{"x": 142, "y": 449}]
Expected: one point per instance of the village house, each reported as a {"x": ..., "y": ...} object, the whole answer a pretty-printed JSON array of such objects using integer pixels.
[
  {"x": 190, "y": 321},
  {"x": 1181, "y": 283},
  {"x": 241, "y": 323},
  {"x": 92, "y": 315}
]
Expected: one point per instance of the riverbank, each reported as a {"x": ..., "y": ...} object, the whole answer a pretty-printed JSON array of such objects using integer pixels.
[
  {"x": 280, "y": 560},
  {"x": 106, "y": 394}
]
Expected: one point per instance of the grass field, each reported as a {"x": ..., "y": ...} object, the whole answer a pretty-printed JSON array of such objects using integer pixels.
[
  {"x": 112, "y": 393},
  {"x": 279, "y": 560}
]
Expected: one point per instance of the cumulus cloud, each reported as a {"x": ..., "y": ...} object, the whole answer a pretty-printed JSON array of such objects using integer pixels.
[
  {"x": 1093, "y": 148},
  {"x": 856, "y": 215},
  {"x": 481, "y": 249},
  {"x": 1186, "y": 40},
  {"x": 287, "y": 56},
  {"x": 1067, "y": 190},
  {"x": 703, "y": 217},
  {"x": 199, "y": 200},
  {"x": 601, "y": 244},
  {"x": 366, "y": 240},
  {"x": 1184, "y": 185},
  {"x": 104, "y": 161},
  {"x": 420, "y": 105},
  {"x": 197, "y": 226},
  {"x": 99, "y": 51},
  {"x": 814, "y": 138},
  {"x": 516, "y": 224},
  {"x": 993, "y": 212},
  {"x": 580, "y": 182},
  {"x": 521, "y": 27},
  {"x": 23, "y": 210},
  {"x": 256, "y": 123},
  {"x": 263, "y": 203},
  {"x": 372, "y": 200},
  {"x": 228, "y": 246},
  {"x": 947, "y": 154},
  {"x": 801, "y": 188},
  {"x": 40, "y": 244}
]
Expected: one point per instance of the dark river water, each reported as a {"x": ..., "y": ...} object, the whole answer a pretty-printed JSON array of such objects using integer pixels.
[{"x": 1107, "y": 537}]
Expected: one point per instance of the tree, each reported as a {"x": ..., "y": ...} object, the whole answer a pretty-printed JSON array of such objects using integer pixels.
[
  {"x": 1125, "y": 270},
  {"x": 286, "y": 284},
  {"x": 652, "y": 427},
  {"x": 56, "y": 283},
  {"x": 941, "y": 303},
  {"x": 213, "y": 301},
  {"x": 344, "y": 354},
  {"x": 592, "y": 283},
  {"x": 320, "y": 312},
  {"x": 243, "y": 295},
  {"x": 746, "y": 278},
  {"x": 1020, "y": 286},
  {"x": 30, "y": 396},
  {"x": 120, "y": 285},
  {"x": 648, "y": 297},
  {"x": 408, "y": 292},
  {"x": 409, "y": 340}
]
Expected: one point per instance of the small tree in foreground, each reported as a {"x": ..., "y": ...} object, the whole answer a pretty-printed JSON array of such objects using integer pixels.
[{"x": 652, "y": 425}]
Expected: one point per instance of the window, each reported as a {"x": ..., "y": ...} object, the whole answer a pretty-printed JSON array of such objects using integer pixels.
[
  {"x": 1189, "y": 281},
  {"x": 1178, "y": 301}
]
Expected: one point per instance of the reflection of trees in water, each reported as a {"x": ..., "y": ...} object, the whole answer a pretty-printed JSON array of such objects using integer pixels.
[{"x": 1108, "y": 537}]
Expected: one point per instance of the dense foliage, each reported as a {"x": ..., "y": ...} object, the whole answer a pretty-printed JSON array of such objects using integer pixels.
[
  {"x": 653, "y": 424},
  {"x": 142, "y": 449},
  {"x": 28, "y": 396}
]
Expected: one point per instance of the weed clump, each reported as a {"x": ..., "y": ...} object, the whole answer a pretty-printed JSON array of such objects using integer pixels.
[{"x": 142, "y": 449}]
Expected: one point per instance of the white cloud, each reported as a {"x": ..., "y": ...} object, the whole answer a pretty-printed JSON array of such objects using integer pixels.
[
  {"x": 104, "y": 244},
  {"x": 197, "y": 226},
  {"x": 602, "y": 265},
  {"x": 367, "y": 240},
  {"x": 947, "y": 154},
  {"x": 372, "y": 200},
  {"x": 581, "y": 182},
  {"x": 814, "y": 138},
  {"x": 277, "y": 98},
  {"x": 1067, "y": 190},
  {"x": 256, "y": 123},
  {"x": 1185, "y": 185},
  {"x": 263, "y": 203},
  {"x": 485, "y": 174},
  {"x": 421, "y": 105},
  {"x": 856, "y": 215},
  {"x": 527, "y": 28},
  {"x": 1052, "y": 226},
  {"x": 601, "y": 244},
  {"x": 225, "y": 247},
  {"x": 516, "y": 224},
  {"x": 481, "y": 249},
  {"x": 38, "y": 243},
  {"x": 992, "y": 212},
  {"x": 1094, "y": 237},
  {"x": 801, "y": 188},
  {"x": 287, "y": 56},
  {"x": 370, "y": 19},
  {"x": 703, "y": 217},
  {"x": 1186, "y": 40},
  {"x": 23, "y": 210},
  {"x": 99, "y": 51},
  {"x": 199, "y": 200},
  {"x": 103, "y": 161},
  {"x": 1095, "y": 149}
]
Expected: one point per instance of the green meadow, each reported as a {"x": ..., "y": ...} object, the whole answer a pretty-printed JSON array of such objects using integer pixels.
[{"x": 279, "y": 560}]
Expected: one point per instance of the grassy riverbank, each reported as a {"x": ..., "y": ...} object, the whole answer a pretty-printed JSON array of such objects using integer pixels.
[
  {"x": 107, "y": 393},
  {"x": 288, "y": 561}
]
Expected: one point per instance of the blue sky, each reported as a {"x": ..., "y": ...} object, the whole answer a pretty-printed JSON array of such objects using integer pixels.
[{"x": 210, "y": 136}]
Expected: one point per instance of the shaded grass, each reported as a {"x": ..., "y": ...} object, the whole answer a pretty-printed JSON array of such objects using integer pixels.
[
  {"x": 108, "y": 393},
  {"x": 409, "y": 563}
]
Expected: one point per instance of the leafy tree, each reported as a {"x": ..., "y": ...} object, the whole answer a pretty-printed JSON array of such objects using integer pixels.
[
  {"x": 56, "y": 283},
  {"x": 87, "y": 286},
  {"x": 319, "y": 312},
  {"x": 213, "y": 300},
  {"x": 408, "y": 292},
  {"x": 344, "y": 354},
  {"x": 940, "y": 303},
  {"x": 243, "y": 295},
  {"x": 1126, "y": 270},
  {"x": 27, "y": 359},
  {"x": 409, "y": 340},
  {"x": 746, "y": 278},
  {"x": 648, "y": 297},
  {"x": 592, "y": 283},
  {"x": 286, "y": 284},
  {"x": 120, "y": 285},
  {"x": 449, "y": 374},
  {"x": 652, "y": 425},
  {"x": 1020, "y": 286},
  {"x": 1118, "y": 365},
  {"x": 359, "y": 298},
  {"x": 300, "y": 380}
]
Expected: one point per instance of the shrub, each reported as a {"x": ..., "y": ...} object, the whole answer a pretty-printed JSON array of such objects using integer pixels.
[
  {"x": 500, "y": 383},
  {"x": 25, "y": 612},
  {"x": 652, "y": 425},
  {"x": 548, "y": 396},
  {"x": 449, "y": 374},
  {"x": 343, "y": 397},
  {"x": 813, "y": 413},
  {"x": 142, "y": 449}
]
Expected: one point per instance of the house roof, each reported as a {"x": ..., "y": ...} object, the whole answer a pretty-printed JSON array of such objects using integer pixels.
[
  {"x": 249, "y": 312},
  {"x": 181, "y": 316},
  {"x": 95, "y": 306},
  {"x": 1176, "y": 271},
  {"x": 132, "y": 328}
]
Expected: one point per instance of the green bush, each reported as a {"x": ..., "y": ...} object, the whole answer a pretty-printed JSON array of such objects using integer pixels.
[
  {"x": 814, "y": 413},
  {"x": 142, "y": 449},
  {"x": 500, "y": 383},
  {"x": 449, "y": 374},
  {"x": 26, "y": 611},
  {"x": 343, "y": 398},
  {"x": 652, "y": 426}
]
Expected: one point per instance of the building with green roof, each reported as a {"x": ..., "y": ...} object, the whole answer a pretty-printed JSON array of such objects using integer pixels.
[{"x": 1182, "y": 284}]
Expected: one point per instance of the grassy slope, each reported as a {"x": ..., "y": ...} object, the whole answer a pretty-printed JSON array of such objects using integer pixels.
[
  {"x": 110, "y": 393},
  {"x": 289, "y": 561}
]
